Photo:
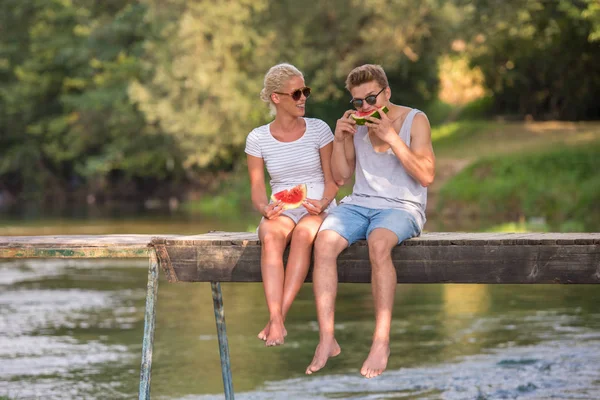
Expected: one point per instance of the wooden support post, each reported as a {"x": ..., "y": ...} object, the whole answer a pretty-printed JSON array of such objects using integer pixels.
[
  {"x": 149, "y": 324},
  {"x": 223, "y": 343}
]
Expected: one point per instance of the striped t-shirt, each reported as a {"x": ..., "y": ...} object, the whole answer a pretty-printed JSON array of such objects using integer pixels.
[{"x": 291, "y": 163}]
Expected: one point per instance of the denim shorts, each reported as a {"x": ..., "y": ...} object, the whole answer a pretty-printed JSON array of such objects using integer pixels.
[{"x": 355, "y": 223}]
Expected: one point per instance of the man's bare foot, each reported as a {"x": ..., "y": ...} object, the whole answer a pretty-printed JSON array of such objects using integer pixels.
[
  {"x": 276, "y": 333},
  {"x": 262, "y": 335},
  {"x": 377, "y": 360},
  {"x": 325, "y": 350}
]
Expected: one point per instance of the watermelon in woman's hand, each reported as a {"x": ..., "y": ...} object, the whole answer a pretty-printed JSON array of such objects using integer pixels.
[
  {"x": 291, "y": 198},
  {"x": 360, "y": 117}
]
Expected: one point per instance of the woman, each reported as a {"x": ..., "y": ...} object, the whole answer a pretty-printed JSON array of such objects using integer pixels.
[{"x": 295, "y": 150}]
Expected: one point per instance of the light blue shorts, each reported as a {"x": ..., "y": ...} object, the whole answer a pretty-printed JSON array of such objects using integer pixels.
[{"x": 356, "y": 223}]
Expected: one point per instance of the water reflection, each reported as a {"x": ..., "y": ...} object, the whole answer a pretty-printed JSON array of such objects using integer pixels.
[
  {"x": 528, "y": 372},
  {"x": 72, "y": 329},
  {"x": 116, "y": 222},
  {"x": 62, "y": 325},
  {"x": 464, "y": 307}
]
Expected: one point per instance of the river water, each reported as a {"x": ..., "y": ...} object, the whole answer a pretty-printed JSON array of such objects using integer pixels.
[{"x": 72, "y": 329}]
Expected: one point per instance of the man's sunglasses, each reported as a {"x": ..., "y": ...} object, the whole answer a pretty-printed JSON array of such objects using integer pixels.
[
  {"x": 296, "y": 94},
  {"x": 371, "y": 100}
]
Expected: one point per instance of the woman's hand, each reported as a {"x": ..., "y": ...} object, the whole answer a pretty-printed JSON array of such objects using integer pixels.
[
  {"x": 316, "y": 207},
  {"x": 272, "y": 210}
]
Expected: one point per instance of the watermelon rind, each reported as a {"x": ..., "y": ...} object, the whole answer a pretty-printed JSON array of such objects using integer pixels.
[
  {"x": 299, "y": 195},
  {"x": 375, "y": 114}
]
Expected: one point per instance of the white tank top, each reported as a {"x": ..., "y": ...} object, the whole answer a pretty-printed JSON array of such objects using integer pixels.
[{"x": 381, "y": 182}]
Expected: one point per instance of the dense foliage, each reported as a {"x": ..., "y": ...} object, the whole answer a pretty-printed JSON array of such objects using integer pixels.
[{"x": 119, "y": 98}]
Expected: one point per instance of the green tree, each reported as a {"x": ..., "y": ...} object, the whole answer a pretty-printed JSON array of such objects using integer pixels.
[
  {"x": 210, "y": 62},
  {"x": 539, "y": 57},
  {"x": 66, "y": 119},
  {"x": 329, "y": 39}
]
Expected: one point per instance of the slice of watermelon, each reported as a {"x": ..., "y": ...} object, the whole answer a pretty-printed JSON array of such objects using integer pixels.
[
  {"x": 360, "y": 117},
  {"x": 291, "y": 198}
]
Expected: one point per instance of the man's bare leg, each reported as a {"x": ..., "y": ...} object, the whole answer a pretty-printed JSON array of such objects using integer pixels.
[
  {"x": 303, "y": 237},
  {"x": 328, "y": 246},
  {"x": 383, "y": 284},
  {"x": 274, "y": 236}
]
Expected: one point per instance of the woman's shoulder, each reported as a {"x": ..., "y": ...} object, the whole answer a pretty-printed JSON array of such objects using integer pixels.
[{"x": 259, "y": 131}]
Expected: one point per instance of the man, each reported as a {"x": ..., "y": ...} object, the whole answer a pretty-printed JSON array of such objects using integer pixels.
[{"x": 393, "y": 160}]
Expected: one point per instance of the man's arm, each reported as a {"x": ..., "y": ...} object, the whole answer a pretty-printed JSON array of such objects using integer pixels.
[
  {"x": 418, "y": 159},
  {"x": 343, "y": 157},
  {"x": 342, "y": 160}
]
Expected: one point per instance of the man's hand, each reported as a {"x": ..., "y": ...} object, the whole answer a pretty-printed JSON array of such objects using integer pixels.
[
  {"x": 344, "y": 127},
  {"x": 272, "y": 210},
  {"x": 382, "y": 128}
]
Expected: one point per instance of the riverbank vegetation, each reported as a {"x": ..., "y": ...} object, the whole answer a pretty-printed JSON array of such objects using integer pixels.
[
  {"x": 150, "y": 102},
  {"x": 556, "y": 190}
]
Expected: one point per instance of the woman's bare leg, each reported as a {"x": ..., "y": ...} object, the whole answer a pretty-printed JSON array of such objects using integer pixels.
[
  {"x": 298, "y": 263},
  {"x": 274, "y": 236}
]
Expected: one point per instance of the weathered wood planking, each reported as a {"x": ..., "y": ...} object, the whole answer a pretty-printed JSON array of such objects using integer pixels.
[
  {"x": 447, "y": 257},
  {"x": 430, "y": 258},
  {"x": 79, "y": 246}
]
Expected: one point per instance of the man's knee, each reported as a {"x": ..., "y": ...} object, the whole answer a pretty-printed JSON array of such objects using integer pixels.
[
  {"x": 329, "y": 244},
  {"x": 380, "y": 248}
]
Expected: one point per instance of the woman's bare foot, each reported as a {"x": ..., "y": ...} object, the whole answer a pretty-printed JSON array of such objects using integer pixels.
[
  {"x": 325, "y": 350},
  {"x": 262, "y": 335},
  {"x": 276, "y": 333},
  {"x": 377, "y": 360}
]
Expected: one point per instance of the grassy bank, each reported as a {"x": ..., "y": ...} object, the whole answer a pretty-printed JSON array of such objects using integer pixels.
[
  {"x": 557, "y": 189},
  {"x": 472, "y": 140}
]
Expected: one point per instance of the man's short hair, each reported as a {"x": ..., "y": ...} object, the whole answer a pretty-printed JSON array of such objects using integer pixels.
[{"x": 366, "y": 73}]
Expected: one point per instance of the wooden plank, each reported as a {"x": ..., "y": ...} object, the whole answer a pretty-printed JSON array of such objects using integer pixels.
[
  {"x": 75, "y": 246},
  {"x": 75, "y": 241},
  {"x": 433, "y": 238},
  {"x": 482, "y": 264},
  {"x": 247, "y": 238},
  {"x": 460, "y": 257},
  {"x": 469, "y": 258},
  {"x": 75, "y": 252}
]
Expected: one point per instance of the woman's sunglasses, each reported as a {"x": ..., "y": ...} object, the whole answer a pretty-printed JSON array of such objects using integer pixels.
[
  {"x": 296, "y": 94},
  {"x": 371, "y": 100}
]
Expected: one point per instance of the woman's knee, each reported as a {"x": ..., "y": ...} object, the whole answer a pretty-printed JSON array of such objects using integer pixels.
[
  {"x": 304, "y": 235},
  {"x": 272, "y": 240}
]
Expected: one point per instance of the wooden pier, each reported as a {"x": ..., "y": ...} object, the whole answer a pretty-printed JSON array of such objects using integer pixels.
[{"x": 449, "y": 257}]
